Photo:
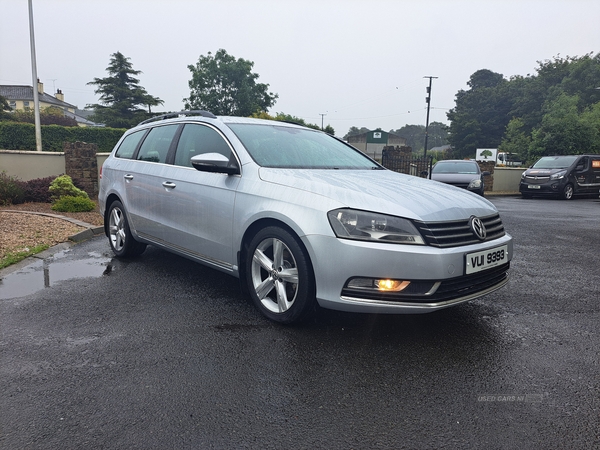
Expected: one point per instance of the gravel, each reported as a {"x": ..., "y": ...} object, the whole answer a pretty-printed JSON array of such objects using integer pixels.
[{"x": 20, "y": 232}]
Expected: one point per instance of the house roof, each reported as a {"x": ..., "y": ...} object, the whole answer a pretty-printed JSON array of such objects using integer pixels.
[
  {"x": 25, "y": 93},
  {"x": 79, "y": 116}
]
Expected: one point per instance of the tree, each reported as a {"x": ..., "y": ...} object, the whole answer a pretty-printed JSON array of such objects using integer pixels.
[
  {"x": 48, "y": 116},
  {"x": 564, "y": 131},
  {"x": 481, "y": 114},
  {"x": 550, "y": 112},
  {"x": 353, "y": 131},
  {"x": 292, "y": 119},
  {"x": 4, "y": 109},
  {"x": 415, "y": 135},
  {"x": 226, "y": 86},
  {"x": 516, "y": 140},
  {"x": 122, "y": 99}
]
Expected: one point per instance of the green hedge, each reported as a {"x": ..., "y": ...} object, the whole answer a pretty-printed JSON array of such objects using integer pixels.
[{"x": 21, "y": 136}]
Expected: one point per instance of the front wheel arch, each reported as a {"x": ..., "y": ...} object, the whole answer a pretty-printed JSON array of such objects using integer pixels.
[
  {"x": 249, "y": 234},
  {"x": 279, "y": 296},
  {"x": 567, "y": 192}
]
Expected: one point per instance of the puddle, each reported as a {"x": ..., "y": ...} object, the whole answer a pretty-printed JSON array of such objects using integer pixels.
[{"x": 41, "y": 274}]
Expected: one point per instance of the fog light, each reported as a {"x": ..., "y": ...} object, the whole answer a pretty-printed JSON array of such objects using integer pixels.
[
  {"x": 375, "y": 284},
  {"x": 391, "y": 285}
]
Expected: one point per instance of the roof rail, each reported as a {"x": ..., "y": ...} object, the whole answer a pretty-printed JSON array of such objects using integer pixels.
[{"x": 179, "y": 114}]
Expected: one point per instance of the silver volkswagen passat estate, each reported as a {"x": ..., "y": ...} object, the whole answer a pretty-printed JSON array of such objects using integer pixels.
[{"x": 300, "y": 217}]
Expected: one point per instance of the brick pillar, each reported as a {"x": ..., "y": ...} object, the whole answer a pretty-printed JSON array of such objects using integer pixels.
[
  {"x": 488, "y": 180},
  {"x": 81, "y": 165}
]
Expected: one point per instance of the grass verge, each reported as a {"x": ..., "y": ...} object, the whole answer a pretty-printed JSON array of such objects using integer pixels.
[{"x": 13, "y": 258}]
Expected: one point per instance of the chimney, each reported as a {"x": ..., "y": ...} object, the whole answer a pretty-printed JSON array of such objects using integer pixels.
[
  {"x": 60, "y": 96},
  {"x": 40, "y": 87}
]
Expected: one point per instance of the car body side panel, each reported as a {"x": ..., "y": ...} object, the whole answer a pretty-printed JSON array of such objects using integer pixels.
[
  {"x": 197, "y": 213},
  {"x": 135, "y": 181}
]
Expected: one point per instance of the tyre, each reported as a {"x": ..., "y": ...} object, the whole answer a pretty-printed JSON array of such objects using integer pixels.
[
  {"x": 279, "y": 276},
  {"x": 567, "y": 192},
  {"x": 121, "y": 241}
]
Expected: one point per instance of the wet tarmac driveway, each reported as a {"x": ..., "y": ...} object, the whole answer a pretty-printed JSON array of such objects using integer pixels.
[{"x": 161, "y": 353}]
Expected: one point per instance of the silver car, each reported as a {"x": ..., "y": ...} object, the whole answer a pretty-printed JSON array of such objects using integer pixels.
[
  {"x": 300, "y": 217},
  {"x": 460, "y": 173}
]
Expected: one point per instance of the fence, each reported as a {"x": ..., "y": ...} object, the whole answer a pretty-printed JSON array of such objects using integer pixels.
[{"x": 405, "y": 162}]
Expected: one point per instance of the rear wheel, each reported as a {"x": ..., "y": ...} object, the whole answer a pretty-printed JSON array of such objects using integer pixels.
[
  {"x": 567, "y": 192},
  {"x": 279, "y": 276},
  {"x": 121, "y": 241}
]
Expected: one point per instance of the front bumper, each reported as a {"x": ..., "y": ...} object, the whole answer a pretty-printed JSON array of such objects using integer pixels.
[
  {"x": 547, "y": 188},
  {"x": 437, "y": 275}
]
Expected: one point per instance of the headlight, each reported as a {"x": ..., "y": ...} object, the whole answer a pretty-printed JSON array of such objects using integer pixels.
[
  {"x": 370, "y": 226},
  {"x": 475, "y": 184},
  {"x": 558, "y": 175}
]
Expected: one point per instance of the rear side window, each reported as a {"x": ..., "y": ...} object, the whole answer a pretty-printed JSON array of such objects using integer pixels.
[
  {"x": 156, "y": 145},
  {"x": 199, "y": 139},
  {"x": 129, "y": 144}
]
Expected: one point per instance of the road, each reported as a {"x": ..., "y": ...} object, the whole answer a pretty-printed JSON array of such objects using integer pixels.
[{"x": 161, "y": 353}]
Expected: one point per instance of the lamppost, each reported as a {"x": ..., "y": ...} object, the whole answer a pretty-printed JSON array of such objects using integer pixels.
[
  {"x": 428, "y": 101},
  {"x": 34, "y": 84}
]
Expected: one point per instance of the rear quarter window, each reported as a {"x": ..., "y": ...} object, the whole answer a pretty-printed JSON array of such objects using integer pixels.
[{"x": 128, "y": 145}]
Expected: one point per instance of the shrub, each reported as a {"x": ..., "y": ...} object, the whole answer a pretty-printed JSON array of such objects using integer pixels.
[
  {"x": 11, "y": 190},
  {"x": 69, "y": 203},
  {"x": 38, "y": 190},
  {"x": 63, "y": 186}
]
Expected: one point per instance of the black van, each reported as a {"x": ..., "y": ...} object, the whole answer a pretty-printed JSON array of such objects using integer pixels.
[{"x": 562, "y": 176}]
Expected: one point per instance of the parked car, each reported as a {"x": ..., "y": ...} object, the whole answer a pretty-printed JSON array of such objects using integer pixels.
[
  {"x": 461, "y": 173},
  {"x": 300, "y": 217},
  {"x": 563, "y": 176}
]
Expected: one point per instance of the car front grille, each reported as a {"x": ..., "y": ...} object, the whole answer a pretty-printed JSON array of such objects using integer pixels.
[
  {"x": 537, "y": 180},
  {"x": 448, "y": 290},
  {"x": 460, "y": 185},
  {"x": 457, "y": 233}
]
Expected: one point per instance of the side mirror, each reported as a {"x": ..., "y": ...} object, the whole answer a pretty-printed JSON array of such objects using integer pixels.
[
  {"x": 214, "y": 162},
  {"x": 486, "y": 173}
]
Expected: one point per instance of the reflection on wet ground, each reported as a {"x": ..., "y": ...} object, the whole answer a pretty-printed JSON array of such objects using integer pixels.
[{"x": 44, "y": 273}]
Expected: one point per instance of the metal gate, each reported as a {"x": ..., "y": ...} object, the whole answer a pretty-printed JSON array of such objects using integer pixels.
[{"x": 407, "y": 163}]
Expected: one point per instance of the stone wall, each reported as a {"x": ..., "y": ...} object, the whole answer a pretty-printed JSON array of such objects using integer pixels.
[{"x": 82, "y": 166}]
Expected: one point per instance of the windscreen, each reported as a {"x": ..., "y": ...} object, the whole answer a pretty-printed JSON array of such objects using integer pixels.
[
  {"x": 455, "y": 167},
  {"x": 290, "y": 147},
  {"x": 554, "y": 162}
]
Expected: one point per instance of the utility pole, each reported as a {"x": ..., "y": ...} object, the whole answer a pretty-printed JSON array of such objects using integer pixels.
[
  {"x": 322, "y": 116},
  {"x": 428, "y": 101},
  {"x": 34, "y": 83}
]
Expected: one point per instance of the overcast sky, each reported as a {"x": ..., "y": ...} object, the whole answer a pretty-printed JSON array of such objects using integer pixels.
[{"x": 362, "y": 63}]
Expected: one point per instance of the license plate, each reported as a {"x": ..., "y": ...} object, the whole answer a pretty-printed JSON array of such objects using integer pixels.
[
  {"x": 534, "y": 186},
  {"x": 486, "y": 259}
]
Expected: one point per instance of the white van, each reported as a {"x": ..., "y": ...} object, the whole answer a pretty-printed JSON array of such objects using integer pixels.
[{"x": 508, "y": 159}]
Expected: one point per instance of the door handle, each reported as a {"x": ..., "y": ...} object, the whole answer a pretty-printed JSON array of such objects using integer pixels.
[{"x": 169, "y": 185}]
